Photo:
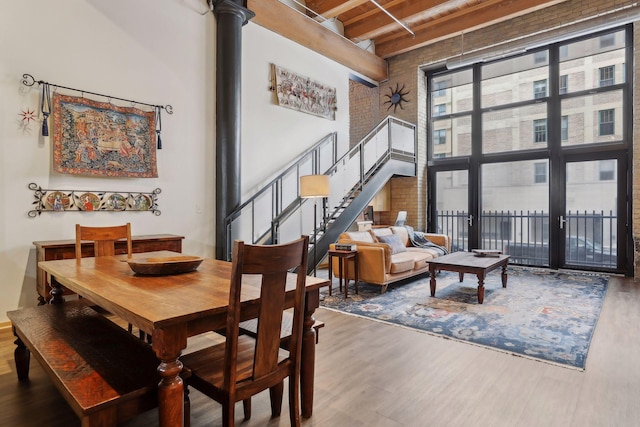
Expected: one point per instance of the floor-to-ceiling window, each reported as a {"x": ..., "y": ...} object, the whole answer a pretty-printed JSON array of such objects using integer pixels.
[{"x": 529, "y": 154}]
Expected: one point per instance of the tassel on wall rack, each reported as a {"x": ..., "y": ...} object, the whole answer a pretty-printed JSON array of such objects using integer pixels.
[{"x": 45, "y": 103}]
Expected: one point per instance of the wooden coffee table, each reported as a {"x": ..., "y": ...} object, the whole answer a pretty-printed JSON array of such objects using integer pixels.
[{"x": 468, "y": 262}]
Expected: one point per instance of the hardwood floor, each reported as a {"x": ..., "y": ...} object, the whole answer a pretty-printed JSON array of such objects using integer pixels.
[{"x": 373, "y": 374}]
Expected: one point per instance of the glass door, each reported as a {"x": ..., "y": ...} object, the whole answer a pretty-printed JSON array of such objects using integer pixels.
[
  {"x": 452, "y": 215},
  {"x": 589, "y": 228},
  {"x": 514, "y": 215}
]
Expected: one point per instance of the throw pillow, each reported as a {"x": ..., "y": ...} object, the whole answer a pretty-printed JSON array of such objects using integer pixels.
[{"x": 394, "y": 241}]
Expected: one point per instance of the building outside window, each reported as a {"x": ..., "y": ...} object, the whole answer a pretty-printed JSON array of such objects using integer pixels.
[
  {"x": 606, "y": 122},
  {"x": 607, "y": 75},
  {"x": 540, "y": 130},
  {"x": 564, "y": 128},
  {"x": 540, "y": 89}
]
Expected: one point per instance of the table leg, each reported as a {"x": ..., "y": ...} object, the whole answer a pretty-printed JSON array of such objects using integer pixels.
[
  {"x": 345, "y": 261},
  {"x": 432, "y": 281},
  {"x": 355, "y": 274},
  {"x": 56, "y": 292},
  {"x": 461, "y": 276},
  {"x": 308, "y": 357},
  {"x": 168, "y": 344},
  {"x": 340, "y": 273},
  {"x": 480, "y": 288},
  {"x": 504, "y": 276},
  {"x": 330, "y": 274}
]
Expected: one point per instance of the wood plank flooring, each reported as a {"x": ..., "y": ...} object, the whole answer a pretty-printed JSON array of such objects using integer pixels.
[{"x": 373, "y": 374}]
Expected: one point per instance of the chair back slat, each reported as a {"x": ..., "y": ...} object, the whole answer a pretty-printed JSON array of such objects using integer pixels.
[
  {"x": 273, "y": 263},
  {"x": 104, "y": 239},
  {"x": 269, "y": 323}
]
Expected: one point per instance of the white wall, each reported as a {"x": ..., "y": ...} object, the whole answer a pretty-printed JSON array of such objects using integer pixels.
[
  {"x": 154, "y": 51},
  {"x": 267, "y": 127}
]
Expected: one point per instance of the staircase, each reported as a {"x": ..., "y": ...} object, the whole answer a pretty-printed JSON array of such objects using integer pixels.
[{"x": 277, "y": 214}]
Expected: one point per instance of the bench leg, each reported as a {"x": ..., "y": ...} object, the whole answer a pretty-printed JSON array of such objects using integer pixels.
[{"x": 22, "y": 357}]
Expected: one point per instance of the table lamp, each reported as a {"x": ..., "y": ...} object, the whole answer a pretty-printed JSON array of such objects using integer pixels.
[{"x": 314, "y": 187}]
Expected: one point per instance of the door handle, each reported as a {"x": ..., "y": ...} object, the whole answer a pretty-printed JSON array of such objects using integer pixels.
[
  {"x": 470, "y": 220},
  {"x": 562, "y": 222}
]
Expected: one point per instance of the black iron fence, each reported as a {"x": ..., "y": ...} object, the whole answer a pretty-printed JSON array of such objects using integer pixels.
[{"x": 590, "y": 237}]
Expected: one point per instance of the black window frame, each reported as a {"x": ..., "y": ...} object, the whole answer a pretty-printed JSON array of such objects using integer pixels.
[{"x": 555, "y": 150}]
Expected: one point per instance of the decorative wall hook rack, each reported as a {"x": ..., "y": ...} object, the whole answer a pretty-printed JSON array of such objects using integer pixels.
[
  {"x": 45, "y": 102},
  {"x": 51, "y": 200},
  {"x": 29, "y": 80}
]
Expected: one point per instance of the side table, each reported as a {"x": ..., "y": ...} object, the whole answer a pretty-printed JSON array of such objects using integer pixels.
[{"x": 343, "y": 260}]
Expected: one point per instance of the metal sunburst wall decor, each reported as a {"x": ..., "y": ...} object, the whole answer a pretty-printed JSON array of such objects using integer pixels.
[{"x": 396, "y": 97}]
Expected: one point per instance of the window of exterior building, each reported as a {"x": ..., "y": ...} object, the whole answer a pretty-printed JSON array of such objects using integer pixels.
[
  {"x": 540, "y": 89},
  {"x": 540, "y": 57},
  {"x": 606, "y": 122},
  {"x": 540, "y": 130},
  {"x": 564, "y": 84},
  {"x": 439, "y": 110},
  {"x": 564, "y": 51},
  {"x": 439, "y": 89},
  {"x": 607, "y": 75},
  {"x": 564, "y": 128},
  {"x": 440, "y": 136},
  {"x": 607, "y": 40},
  {"x": 607, "y": 170},
  {"x": 540, "y": 172}
]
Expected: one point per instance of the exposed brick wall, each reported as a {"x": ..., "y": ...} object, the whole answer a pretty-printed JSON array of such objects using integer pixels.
[
  {"x": 554, "y": 22},
  {"x": 403, "y": 198},
  {"x": 364, "y": 111}
]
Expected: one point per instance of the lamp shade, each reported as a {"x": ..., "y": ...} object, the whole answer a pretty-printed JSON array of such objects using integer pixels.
[{"x": 314, "y": 186}]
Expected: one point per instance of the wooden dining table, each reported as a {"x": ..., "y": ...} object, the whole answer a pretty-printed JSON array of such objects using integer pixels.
[{"x": 174, "y": 307}]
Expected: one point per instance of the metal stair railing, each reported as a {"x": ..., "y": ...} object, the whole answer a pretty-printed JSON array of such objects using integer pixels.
[{"x": 277, "y": 214}]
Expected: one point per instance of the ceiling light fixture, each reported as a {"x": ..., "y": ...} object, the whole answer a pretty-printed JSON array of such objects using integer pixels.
[{"x": 393, "y": 17}]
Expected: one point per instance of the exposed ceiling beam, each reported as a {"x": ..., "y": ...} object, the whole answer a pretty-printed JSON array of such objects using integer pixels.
[
  {"x": 478, "y": 16},
  {"x": 281, "y": 19},
  {"x": 341, "y": 8},
  {"x": 378, "y": 23}
]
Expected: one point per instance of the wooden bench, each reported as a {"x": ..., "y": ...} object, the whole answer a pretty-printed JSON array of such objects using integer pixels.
[{"x": 105, "y": 374}]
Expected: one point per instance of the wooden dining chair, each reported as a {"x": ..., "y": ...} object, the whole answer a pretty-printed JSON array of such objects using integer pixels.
[
  {"x": 243, "y": 365},
  {"x": 104, "y": 239},
  {"x": 104, "y": 244}
]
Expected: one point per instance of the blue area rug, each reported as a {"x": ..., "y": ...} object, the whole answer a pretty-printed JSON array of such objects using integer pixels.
[{"x": 542, "y": 314}]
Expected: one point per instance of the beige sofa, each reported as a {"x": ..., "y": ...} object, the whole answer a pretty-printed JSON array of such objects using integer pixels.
[{"x": 382, "y": 263}]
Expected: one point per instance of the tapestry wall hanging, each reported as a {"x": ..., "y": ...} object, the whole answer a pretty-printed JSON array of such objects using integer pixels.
[
  {"x": 303, "y": 94},
  {"x": 99, "y": 138}
]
